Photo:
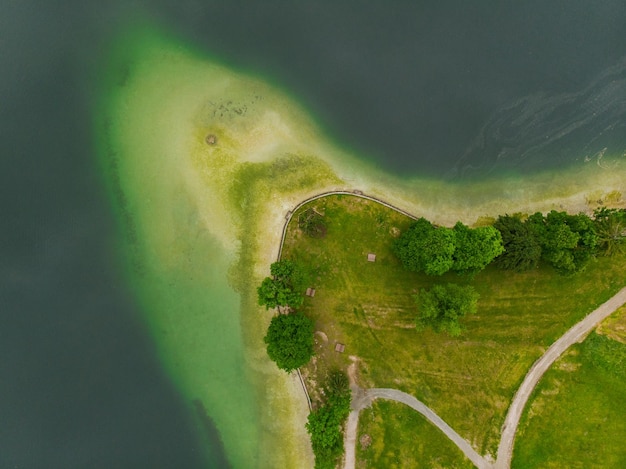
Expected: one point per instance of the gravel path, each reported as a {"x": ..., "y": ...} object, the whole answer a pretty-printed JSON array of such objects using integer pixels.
[
  {"x": 363, "y": 398},
  {"x": 575, "y": 334}
]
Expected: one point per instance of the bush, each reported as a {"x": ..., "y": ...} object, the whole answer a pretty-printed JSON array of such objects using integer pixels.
[
  {"x": 337, "y": 383},
  {"x": 326, "y": 423}
]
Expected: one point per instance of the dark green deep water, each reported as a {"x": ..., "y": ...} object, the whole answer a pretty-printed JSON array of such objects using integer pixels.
[{"x": 437, "y": 88}]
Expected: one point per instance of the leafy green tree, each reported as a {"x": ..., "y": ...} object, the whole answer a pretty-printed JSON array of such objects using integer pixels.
[
  {"x": 284, "y": 288},
  {"x": 522, "y": 246},
  {"x": 426, "y": 248},
  {"x": 325, "y": 427},
  {"x": 475, "y": 248},
  {"x": 290, "y": 340},
  {"x": 611, "y": 230},
  {"x": 557, "y": 240},
  {"x": 287, "y": 272},
  {"x": 587, "y": 245},
  {"x": 567, "y": 241},
  {"x": 442, "y": 306}
]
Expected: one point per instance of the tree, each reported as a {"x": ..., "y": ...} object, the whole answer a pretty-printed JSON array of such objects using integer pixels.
[
  {"x": 567, "y": 241},
  {"x": 290, "y": 340},
  {"x": 611, "y": 230},
  {"x": 475, "y": 248},
  {"x": 426, "y": 248},
  {"x": 284, "y": 288},
  {"x": 442, "y": 306},
  {"x": 522, "y": 247},
  {"x": 325, "y": 424},
  {"x": 584, "y": 226},
  {"x": 287, "y": 272}
]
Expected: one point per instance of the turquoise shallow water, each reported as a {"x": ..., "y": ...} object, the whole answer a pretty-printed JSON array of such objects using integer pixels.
[{"x": 416, "y": 88}]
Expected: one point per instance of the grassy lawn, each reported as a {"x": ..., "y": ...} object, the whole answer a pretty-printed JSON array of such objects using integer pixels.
[
  {"x": 577, "y": 417},
  {"x": 368, "y": 306},
  {"x": 394, "y": 436}
]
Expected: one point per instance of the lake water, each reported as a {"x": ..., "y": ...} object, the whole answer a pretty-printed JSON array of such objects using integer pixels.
[{"x": 416, "y": 87}]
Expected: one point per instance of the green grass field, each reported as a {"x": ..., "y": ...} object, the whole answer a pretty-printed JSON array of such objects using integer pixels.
[
  {"x": 394, "y": 436},
  {"x": 368, "y": 306},
  {"x": 576, "y": 417}
]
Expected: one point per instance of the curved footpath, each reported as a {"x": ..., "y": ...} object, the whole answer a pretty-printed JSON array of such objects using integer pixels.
[
  {"x": 362, "y": 398},
  {"x": 575, "y": 334}
]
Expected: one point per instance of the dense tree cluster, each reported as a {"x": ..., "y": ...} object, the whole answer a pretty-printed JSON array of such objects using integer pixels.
[
  {"x": 325, "y": 423},
  {"x": 284, "y": 288},
  {"x": 290, "y": 340},
  {"x": 436, "y": 250},
  {"x": 567, "y": 242},
  {"x": 515, "y": 242},
  {"x": 442, "y": 306},
  {"x": 522, "y": 247},
  {"x": 475, "y": 247},
  {"x": 289, "y": 337}
]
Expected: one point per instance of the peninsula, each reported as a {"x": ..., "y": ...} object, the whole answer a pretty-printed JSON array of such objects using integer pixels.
[{"x": 203, "y": 163}]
